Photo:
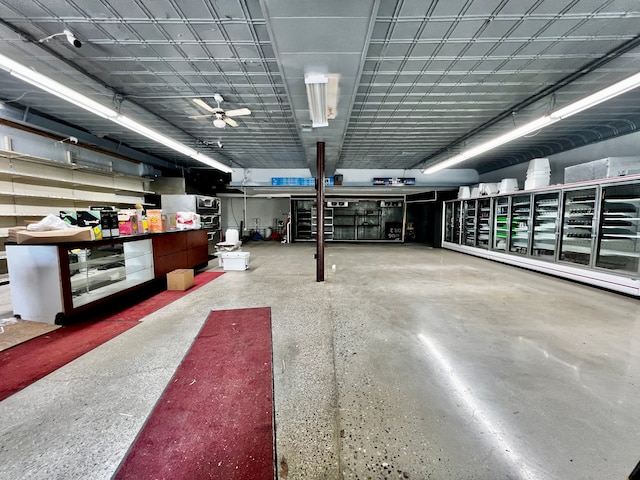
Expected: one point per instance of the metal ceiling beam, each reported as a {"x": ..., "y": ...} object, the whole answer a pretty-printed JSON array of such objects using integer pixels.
[{"x": 331, "y": 36}]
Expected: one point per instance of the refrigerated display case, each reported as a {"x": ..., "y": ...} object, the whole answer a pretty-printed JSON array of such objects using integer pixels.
[
  {"x": 578, "y": 226},
  {"x": 619, "y": 239},
  {"x": 469, "y": 222},
  {"x": 545, "y": 225},
  {"x": 500, "y": 223},
  {"x": 588, "y": 231},
  {"x": 520, "y": 224},
  {"x": 484, "y": 219}
]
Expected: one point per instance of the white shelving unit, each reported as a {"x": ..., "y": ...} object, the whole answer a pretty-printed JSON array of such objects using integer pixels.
[{"x": 33, "y": 187}]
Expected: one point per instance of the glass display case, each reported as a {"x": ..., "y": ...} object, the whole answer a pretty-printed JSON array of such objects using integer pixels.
[
  {"x": 469, "y": 222},
  {"x": 101, "y": 271},
  {"x": 484, "y": 220},
  {"x": 52, "y": 282},
  {"x": 619, "y": 239},
  {"x": 578, "y": 226},
  {"x": 500, "y": 223},
  {"x": 545, "y": 225},
  {"x": 520, "y": 224}
]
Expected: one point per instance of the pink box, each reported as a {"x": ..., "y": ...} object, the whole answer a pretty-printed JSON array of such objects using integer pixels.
[{"x": 127, "y": 224}]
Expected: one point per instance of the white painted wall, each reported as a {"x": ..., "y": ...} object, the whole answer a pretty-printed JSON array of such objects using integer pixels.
[{"x": 264, "y": 209}]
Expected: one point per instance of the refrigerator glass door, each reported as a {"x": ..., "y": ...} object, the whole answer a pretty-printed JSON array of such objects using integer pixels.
[
  {"x": 578, "y": 226},
  {"x": 457, "y": 215},
  {"x": 545, "y": 225},
  {"x": 520, "y": 220},
  {"x": 469, "y": 223},
  {"x": 448, "y": 222},
  {"x": 484, "y": 219},
  {"x": 619, "y": 240},
  {"x": 500, "y": 223}
]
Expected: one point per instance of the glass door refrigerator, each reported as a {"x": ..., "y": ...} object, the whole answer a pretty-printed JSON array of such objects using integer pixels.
[
  {"x": 500, "y": 223},
  {"x": 484, "y": 219},
  {"x": 520, "y": 224},
  {"x": 619, "y": 239},
  {"x": 469, "y": 222},
  {"x": 452, "y": 222},
  {"x": 578, "y": 226},
  {"x": 545, "y": 225}
]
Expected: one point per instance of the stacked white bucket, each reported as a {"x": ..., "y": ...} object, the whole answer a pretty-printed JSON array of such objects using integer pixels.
[{"x": 538, "y": 173}]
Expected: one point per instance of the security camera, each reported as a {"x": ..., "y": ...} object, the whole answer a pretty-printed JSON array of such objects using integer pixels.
[
  {"x": 73, "y": 140},
  {"x": 71, "y": 38},
  {"x": 220, "y": 144}
]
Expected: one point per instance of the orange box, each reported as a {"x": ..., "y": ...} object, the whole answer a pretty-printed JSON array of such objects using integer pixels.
[{"x": 154, "y": 218}]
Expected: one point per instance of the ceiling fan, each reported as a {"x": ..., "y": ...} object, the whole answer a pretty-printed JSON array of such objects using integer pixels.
[{"x": 220, "y": 118}]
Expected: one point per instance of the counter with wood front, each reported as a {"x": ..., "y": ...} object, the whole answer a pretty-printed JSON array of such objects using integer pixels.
[{"x": 51, "y": 282}]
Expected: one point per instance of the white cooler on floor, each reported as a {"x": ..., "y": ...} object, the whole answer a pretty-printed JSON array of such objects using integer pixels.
[{"x": 234, "y": 260}]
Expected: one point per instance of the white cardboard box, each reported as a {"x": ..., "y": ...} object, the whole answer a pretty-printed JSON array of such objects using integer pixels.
[{"x": 234, "y": 260}]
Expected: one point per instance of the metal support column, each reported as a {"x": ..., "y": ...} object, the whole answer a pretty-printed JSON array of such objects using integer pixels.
[{"x": 320, "y": 212}]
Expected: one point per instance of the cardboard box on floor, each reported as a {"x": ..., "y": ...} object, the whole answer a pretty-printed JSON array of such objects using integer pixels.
[{"x": 180, "y": 279}]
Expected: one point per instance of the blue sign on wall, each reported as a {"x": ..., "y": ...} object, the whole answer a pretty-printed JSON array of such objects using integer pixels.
[{"x": 298, "y": 181}]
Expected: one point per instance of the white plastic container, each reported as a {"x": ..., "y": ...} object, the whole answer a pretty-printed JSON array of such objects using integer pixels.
[
  {"x": 464, "y": 192},
  {"x": 508, "y": 185},
  {"x": 231, "y": 235},
  {"x": 536, "y": 182},
  {"x": 238, "y": 261},
  {"x": 539, "y": 165},
  {"x": 488, "y": 188}
]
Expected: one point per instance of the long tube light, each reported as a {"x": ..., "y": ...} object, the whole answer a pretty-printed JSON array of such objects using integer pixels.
[
  {"x": 49, "y": 85},
  {"x": 560, "y": 114},
  {"x": 317, "y": 98}
]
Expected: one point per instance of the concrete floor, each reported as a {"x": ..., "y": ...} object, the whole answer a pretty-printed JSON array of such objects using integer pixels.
[{"x": 407, "y": 362}]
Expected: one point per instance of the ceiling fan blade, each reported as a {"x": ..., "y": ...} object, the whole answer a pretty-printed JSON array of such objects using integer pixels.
[
  {"x": 237, "y": 113},
  {"x": 204, "y": 105},
  {"x": 201, "y": 116},
  {"x": 230, "y": 121}
]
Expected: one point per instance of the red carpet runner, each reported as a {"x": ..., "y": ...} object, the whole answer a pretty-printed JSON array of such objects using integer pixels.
[
  {"x": 32, "y": 360},
  {"x": 215, "y": 419},
  {"x": 162, "y": 299}
]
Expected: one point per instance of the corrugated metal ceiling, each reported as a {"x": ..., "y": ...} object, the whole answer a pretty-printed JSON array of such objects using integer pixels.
[{"x": 420, "y": 80}]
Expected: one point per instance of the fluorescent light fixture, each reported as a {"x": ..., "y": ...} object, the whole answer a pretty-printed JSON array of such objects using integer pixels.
[
  {"x": 491, "y": 144},
  {"x": 51, "y": 86},
  {"x": 598, "y": 97},
  {"x": 560, "y": 114},
  {"x": 317, "y": 98},
  {"x": 61, "y": 91},
  {"x": 322, "y": 95}
]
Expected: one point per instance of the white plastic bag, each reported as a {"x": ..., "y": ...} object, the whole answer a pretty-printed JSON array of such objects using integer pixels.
[{"x": 50, "y": 222}]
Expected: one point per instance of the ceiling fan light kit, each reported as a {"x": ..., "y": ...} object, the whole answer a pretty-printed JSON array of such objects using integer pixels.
[{"x": 221, "y": 118}]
